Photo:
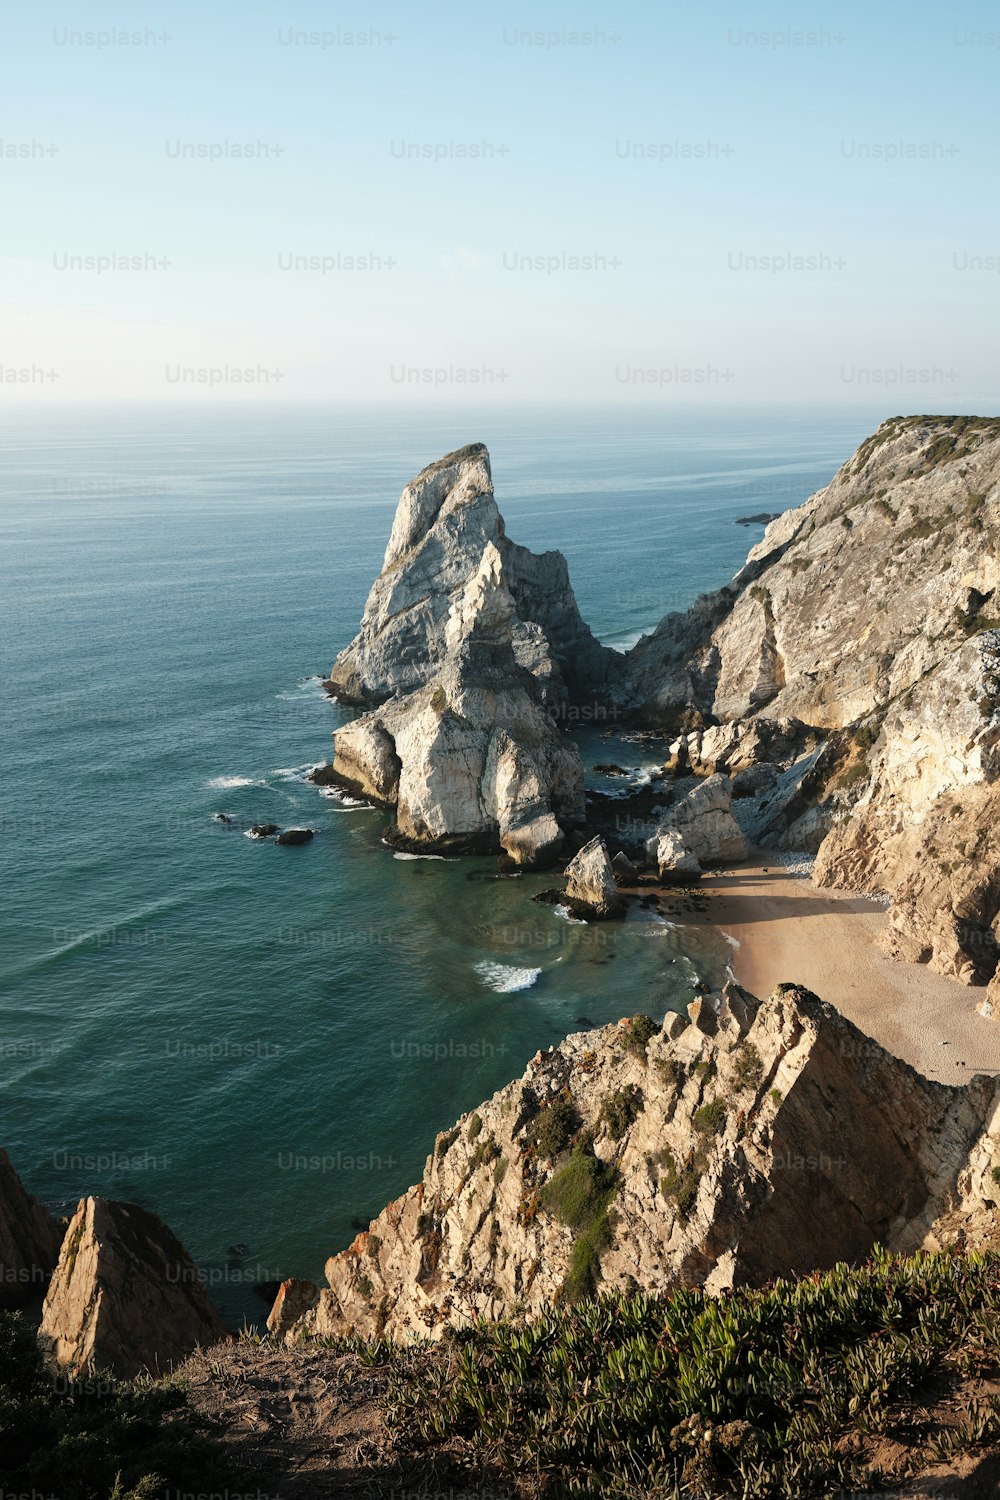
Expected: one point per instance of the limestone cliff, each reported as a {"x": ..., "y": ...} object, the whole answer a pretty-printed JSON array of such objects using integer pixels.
[
  {"x": 857, "y": 657},
  {"x": 472, "y": 760},
  {"x": 445, "y": 519},
  {"x": 769, "y": 1138}
]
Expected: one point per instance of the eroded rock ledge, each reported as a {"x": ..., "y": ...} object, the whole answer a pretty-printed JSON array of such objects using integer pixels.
[{"x": 764, "y": 1139}]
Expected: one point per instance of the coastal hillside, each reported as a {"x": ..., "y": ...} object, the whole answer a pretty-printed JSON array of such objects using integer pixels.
[
  {"x": 858, "y": 652},
  {"x": 765, "y": 1138}
]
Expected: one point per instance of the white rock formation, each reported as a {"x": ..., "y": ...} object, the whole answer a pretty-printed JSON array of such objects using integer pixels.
[
  {"x": 704, "y": 821},
  {"x": 445, "y": 519},
  {"x": 672, "y": 857},
  {"x": 870, "y": 619},
  {"x": 472, "y": 761}
]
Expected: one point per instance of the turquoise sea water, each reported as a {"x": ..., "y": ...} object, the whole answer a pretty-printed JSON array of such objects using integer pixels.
[{"x": 260, "y": 1043}]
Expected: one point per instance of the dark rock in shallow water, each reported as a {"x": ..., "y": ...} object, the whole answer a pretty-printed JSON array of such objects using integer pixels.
[
  {"x": 762, "y": 518},
  {"x": 267, "y": 1291},
  {"x": 610, "y": 769},
  {"x": 263, "y": 830},
  {"x": 325, "y": 775},
  {"x": 223, "y": 818},
  {"x": 296, "y": 836}
]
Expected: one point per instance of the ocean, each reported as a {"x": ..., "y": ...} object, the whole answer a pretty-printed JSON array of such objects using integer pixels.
[{"x": 260, "y": 1043}]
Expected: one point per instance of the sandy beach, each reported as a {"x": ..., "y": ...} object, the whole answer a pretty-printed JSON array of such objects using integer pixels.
[{"x": 789, "y": 931}]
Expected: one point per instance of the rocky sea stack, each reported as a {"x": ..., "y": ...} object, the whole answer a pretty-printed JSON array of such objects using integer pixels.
[{"x": 473, "y": 650}]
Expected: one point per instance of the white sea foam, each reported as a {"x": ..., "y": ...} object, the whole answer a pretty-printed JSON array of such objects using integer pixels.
[
  {"x": 345, "y": 802},
  {"x": 564, "y": 912},
  {"x": 297, "y": 773},
  {"x": 505, "y": 979},
  {"x": 404, "y": 854},
  {"x": 309, "y": 686},
  {"x": 223, "y": 783}
]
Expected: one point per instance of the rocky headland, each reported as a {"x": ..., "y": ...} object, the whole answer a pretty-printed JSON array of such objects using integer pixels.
[{"x": 839, "y": 697}]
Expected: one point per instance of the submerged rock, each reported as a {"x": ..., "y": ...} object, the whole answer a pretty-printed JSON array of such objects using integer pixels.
[
  {"x": 29, "y": 1241},
  {"x": 125, "y": 1295},
  {"x": 296, "y": 836},
  {"x": 756, "y": 1140}
]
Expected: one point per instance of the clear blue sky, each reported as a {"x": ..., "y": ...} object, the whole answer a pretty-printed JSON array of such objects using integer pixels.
[{"x": 764, "y": 123}]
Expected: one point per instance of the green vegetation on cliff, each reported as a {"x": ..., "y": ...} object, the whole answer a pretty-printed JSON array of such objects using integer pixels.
[{"x": 849, "y": 1379}]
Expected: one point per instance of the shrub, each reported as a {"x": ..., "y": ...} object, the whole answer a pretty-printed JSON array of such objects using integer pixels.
[
  {"x": 553, "y": 1127},
  {"x": 680, "y": 1184},
  {"x": 710, "y": 1118},
  {"x": 580, "y": 1195},
  {"x": 445, "y": 1142},
  {"x": 475, "y": 1126},
  {"x": 485, "y": 1151},
  {"x": 852, "y": 774},
  {"x": 500, "y": 1170},
  {"x": 638, "y": 1032},
  {"x": 669, "y": 1070},
  {"x": 749, "y": 1071},
  {"x": 787, "y": 1391},
  {"x": 867, "y": 733},
  {"x": 97, "y": 1438},
  {"x": 620, "y": 1109}
]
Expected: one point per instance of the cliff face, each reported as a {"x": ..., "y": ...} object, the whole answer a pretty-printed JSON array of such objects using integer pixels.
[
  {"x": 773, "y": 1138},
  {"x": 445, "y": 519},
  {"x": 29, "y": 1241},
  {"x": 849, "y": 601},
  {"x": 472, "y": 760},
  {"x": 858, "y": 652}
]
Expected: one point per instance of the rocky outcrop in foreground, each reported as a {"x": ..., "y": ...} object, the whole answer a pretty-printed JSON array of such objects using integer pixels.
[
  {"x": 849, "y": 677},
  {"x": 444, "y": 522},
  {"x": 29, "y": 1241},
  {"x": 125, "y": 1296},
  {"x": 771, "y": 1138}
]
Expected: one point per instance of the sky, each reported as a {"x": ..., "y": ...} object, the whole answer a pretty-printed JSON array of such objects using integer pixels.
[{"x": 389, "y": 202}]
